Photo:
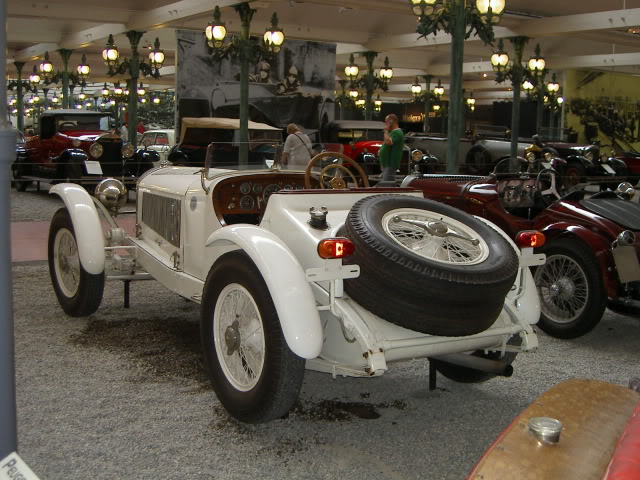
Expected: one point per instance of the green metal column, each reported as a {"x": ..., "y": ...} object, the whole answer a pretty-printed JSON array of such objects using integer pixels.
[
  {"x": 246, "y": 13},
  {"x": 427, "y": 102},
  {"x": 20, "y": 96},
  {"x": 66, "y": 55},
  {"x": 455, "y": 90},
  {"x": 517, "y": 74},
  {"x": 134, "y": 69},
  {"x": 540, "y": 106},
  {"x": 368, "y": 84}
]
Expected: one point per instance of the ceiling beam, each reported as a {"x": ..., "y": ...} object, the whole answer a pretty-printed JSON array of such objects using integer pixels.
[
  {"x": 51, "y": 11},
  {"x": 175, "y": 12},
  {"x": 581, "y": 22},
  {"x": 30, "y": 53},
  {"x": 92, "y": 35}
]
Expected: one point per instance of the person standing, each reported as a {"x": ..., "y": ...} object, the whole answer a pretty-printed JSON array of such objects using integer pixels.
[
  {"x": 390, "y": 152},
  {"x": 297, "y": 148},
  {"x": 140, "y": 127}
]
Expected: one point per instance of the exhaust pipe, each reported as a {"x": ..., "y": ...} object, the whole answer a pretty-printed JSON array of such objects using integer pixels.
[{"x": 497, "y": 367}]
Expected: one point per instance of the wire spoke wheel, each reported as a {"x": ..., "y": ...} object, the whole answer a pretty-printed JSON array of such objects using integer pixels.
[
  {"x": 239, "y": 337},
  {"x": 563, "y": 288},
  {"x": 67, "y": 262},
  {"x": 446, "y": 241}
]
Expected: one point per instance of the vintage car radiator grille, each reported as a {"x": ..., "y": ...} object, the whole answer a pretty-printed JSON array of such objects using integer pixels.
[{"x": 162, "y": 215}]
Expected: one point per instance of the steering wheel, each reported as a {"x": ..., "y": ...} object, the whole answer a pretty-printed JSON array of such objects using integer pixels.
[
  {"x": 337, "y": 180},
  {"x": 502, "y": 167},
  {"x": 552, "y": 190}
]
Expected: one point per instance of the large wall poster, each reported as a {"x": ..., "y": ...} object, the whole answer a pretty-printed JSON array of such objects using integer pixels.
[{"x": 299, "y": 87}]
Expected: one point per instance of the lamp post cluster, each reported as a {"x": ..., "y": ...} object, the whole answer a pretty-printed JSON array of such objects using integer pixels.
[
  {"x": 428, "y": 96},
  {"x": 459, "y": 18},
  {"x": 133, "y": 66},
  {"x": 369, "y": 81},
  {"x": 243, "y": 49}
]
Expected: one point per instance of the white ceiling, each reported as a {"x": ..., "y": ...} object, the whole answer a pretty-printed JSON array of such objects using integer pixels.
[{"x": 571, "y": 33}]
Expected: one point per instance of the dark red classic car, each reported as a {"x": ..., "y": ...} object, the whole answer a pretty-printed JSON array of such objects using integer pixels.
[
  {"x": 78, "y": 145},
  {"x": 591, "y": 240}
]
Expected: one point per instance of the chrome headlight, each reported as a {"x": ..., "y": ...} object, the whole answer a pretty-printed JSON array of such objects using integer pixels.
[
  {"x": 111, "y": 193},
  {"x": 625, "y": 190},
  {"x": 589, "y": 155},
  {"x": 531, "y": 157},
  {"x": 96, "y": 150},
  {"x": 416, "y": 155},
  {"x": 626, "y": 238},
  {"x": 76, "y": 143},
  {"x": 548, "y": 156},
  {"x": 128, "y": 150}
]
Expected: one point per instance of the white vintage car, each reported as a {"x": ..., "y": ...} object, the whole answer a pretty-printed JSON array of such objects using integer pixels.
[{"x": 292, "y": 269}]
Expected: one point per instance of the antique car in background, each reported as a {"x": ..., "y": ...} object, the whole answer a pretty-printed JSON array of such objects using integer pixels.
[
  {"x": 78, "y": 145},
  {"x": 592, "y": 241},
  {"x": 478, "y": 152},
  {"x": 577, "y": 430},
  {"x": 583, "y": 163},
  {"x": 160, "y": 141},
  {"x": 361, "y": 140},
  {"x": 292, "y": 270},
  {"x": 197, "y": 133}
]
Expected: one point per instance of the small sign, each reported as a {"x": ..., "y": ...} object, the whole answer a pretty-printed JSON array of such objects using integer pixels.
[
  {"x": 12, "y": 467},
  {"x": 608, "y": 169},
  {"x": 93, "y": 167}
]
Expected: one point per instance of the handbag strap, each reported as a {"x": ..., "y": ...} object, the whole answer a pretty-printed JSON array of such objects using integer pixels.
[{"x": 304, "y": 143}]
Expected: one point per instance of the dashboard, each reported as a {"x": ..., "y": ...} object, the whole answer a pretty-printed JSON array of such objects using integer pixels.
[{"x": 248, "y": 195}]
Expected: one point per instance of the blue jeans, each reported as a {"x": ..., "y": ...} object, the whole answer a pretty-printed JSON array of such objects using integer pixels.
[{"x": 388, "y": 174}]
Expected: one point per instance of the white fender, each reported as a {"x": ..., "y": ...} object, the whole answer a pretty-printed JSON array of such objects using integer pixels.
[
  {"x": 286, "y": 281},
  {"x": 86, "y": 224}
]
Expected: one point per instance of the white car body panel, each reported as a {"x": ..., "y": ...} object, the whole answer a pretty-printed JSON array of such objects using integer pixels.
[{"x": 86, "y": 224}]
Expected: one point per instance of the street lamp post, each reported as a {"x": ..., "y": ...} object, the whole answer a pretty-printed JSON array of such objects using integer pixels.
[
  {"x": 134, "y": 67},
  {"x": 49, "y": 75},
  {"x": 516, "y": 72},
  {"x": 453, "y": 16},
  {"x": 425, "y": 96},
  {"x": 20, "y": 85},
  {"x": 369, "y": 80},
  {"x": 245, "y": 50}
]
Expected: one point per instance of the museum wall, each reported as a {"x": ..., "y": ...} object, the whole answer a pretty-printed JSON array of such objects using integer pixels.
[
  {"x": 603, "y": 107},
  {"x": 297, "y": 88}
]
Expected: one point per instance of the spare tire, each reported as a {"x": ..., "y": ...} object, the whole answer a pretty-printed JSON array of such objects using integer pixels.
[{"x": 428, "y": 282}]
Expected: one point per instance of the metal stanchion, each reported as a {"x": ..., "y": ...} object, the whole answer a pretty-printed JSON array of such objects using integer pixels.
[{"x": 8, "y": 426}]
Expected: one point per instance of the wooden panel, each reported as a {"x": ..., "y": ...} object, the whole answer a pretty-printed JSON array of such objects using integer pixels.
[{"x": 594, "y": 415}]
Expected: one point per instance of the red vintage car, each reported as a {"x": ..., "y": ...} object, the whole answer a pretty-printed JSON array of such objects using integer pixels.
[
  {"x": 78, "y": 145},
  {"x": 591, "y": 244}
]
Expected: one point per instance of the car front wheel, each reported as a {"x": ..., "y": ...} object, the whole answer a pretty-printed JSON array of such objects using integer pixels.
[
  {"x": 79, "y": 292},
  {"x": 255, "y": 375},
  {"x": 572, "y": 293}
]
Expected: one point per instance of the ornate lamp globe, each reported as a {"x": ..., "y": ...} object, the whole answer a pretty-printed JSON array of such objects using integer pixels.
[
  {"x": 436, "y": 107},
  {"x": 156, "y": 56},
  {"x": 500, "y": 59},
  {"x": 553, "y": 86},
  {"x": 83, "y": 69},
  {"x": 386, "y": 72},
  {"x": 141, "y": 90},
  {"x": 216, "y": 31},
  {"x": 416, "y": 88},
  {"x": 352, "y": 69},
  {"x": 34, "y": 78},
  {"x": 273, "y": 36},
  {"x": 360, "y": 103},
  {"x": 55, "y": 100},
  {"x": 377, "y": 103},
  {"x": 527, "y": 86},
  {"x": 560, "y": 101},
  {"x": 110, "y": 54},
  {"x": 82, "y": 95},
  {"x": 490, "y": 11},
  {"x": 536, "y": 64},
  {"x": 118, "y": 91},
  {"x": 422, "y": 8},
  {"x": 438, "y": 90},
  {"x": 471, "y": 102},
  {"x": 105, "y": 90},
  {"x": 46, "y": 67},
  {"x": 353, "y": 93}
]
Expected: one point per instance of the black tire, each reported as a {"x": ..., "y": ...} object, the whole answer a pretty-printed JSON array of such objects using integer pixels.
[
  {"x": 84, "y": 299},
  {"x": 571, "y": 269},
  {"x": 423, "y": 294},
  {"x": 462, "y": 374},
  {"x": 280, "y": 379},
  {"x": 478, "y": 161}
]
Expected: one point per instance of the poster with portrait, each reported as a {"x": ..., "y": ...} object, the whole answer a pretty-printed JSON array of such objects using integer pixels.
[{"x": 297, "y": 87}]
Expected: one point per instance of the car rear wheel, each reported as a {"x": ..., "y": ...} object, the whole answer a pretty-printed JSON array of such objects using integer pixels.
[
  {"x": 79, "y": 292},
  {"x": 571, "y": 289},
  {"x": 255, "y": 375},
  {"x": 427, "y": 266}
]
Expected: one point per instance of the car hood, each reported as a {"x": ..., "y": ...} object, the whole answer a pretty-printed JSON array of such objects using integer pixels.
[
  {"x": 371, "y": 145},
  {"x": 623, "y": 212}
]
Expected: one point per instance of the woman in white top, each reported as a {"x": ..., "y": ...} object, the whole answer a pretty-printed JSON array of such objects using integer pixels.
[{"x": 297, "y": 148}]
